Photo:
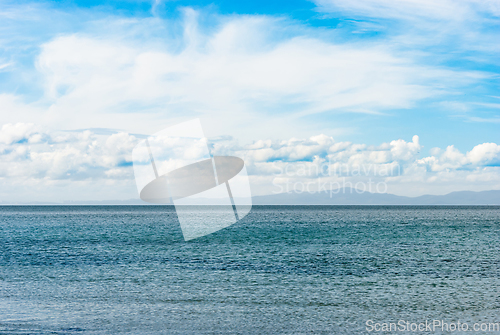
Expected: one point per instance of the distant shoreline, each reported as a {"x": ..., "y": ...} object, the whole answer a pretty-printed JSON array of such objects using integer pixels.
[{"x": 347, "y": 198}]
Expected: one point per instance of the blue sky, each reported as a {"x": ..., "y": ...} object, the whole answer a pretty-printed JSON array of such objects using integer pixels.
[
  {"x": 368, "y": 72},
  {"x": 462, "y": 113}
]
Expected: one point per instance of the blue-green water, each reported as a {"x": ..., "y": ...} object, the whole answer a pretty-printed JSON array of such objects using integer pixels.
[{"x": 282, "y": 269}]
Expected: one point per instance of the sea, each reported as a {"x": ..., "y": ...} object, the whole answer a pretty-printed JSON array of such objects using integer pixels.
[{"x": 279, "y": 270}]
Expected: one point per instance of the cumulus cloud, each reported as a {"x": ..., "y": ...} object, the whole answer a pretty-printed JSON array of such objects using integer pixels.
[
  {"x": 30, "y": 153},
  {"x": 34, "y": 156},
  {"x": 325, "y": 147},
  {"x": 19, "y": 132},
  {"x": 397, "y": 163},
  {"x": 486, "y": 154}
]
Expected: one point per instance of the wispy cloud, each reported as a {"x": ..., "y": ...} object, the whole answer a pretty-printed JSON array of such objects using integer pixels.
[
  {"x": 481, "y": 119},
  {"x": 237, "y": 71},
  {"x": 443, "y": 25},
  {"x": 415, "y": 9}
]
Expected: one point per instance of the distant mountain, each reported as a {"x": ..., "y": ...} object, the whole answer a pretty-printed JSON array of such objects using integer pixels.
[
  {"x": 345, "y": 196},
  {"x": 77, "y": 203},
  {"x": 349, "y": 196}
]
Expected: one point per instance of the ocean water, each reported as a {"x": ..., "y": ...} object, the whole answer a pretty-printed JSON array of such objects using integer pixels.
[{"x": 280, "y": 270}]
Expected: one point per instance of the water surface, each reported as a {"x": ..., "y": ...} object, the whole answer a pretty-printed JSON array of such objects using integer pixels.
[{"x": 282, "y": 269}]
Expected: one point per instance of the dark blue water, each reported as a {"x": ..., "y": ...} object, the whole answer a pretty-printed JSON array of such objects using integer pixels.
[{"x": 285, "y": 270}]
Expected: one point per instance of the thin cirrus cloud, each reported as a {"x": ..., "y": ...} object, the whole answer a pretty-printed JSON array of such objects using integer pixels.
[
  {"x": 457, "y": 31},
  {"x": 412, "y": 9},
  {"x": 238, "y": 72}
]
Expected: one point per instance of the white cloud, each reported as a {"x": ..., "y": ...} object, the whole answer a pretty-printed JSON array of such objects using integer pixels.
[
  {"x": 433, "y": 27},
  {"x": 28, "y": 153},
  {"x": 485, "y": 154},
  {"x": 243, "y": 81},
  {"x": 57, "y": 162},
  {"x": 235, "y": 77},
  {"x": 11, "y": 133},
  {"x": 396, "y": 163},
  {"x": 413, "y": 9},
  {"x": 481, "y": 155}
]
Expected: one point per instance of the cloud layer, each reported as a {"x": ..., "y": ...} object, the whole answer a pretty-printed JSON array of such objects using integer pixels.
[
  {"x": 234, "y": 73},
  {"x": 371, "y": 71},
  {"x": 52, "y": 161},
  {"x": 238, "y": 71}
]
